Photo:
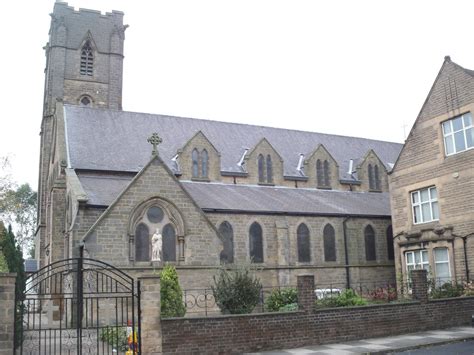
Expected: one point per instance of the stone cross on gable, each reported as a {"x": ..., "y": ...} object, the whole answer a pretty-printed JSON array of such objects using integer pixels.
[{"x": 154, "y": 140}]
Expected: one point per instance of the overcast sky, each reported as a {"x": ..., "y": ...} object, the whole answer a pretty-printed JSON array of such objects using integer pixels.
[{"x": 358, "y": 68}]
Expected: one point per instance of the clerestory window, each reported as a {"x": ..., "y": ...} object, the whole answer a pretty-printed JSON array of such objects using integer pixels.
[
  {"x": 374, "y": 178},
  {"x": 265, "y": 169},
  {"x": 200, "y": 164},
  {"x": 322, "y": 174}
]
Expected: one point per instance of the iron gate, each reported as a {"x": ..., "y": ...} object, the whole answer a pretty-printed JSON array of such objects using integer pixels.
[{"x": 78, "y": 306}]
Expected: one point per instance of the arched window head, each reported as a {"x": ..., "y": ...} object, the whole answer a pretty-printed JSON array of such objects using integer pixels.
[
  {"x": 85, "y": 101},
  {"x": 87, "y": 59},
  {"x": 327, "y": 182},
  {"x": 390, "y": 249},
  {"x": 195, "y": 162},
  {"x": 261, "y": 168},
  {"x": 322, "y": 174},
  {"x": 227, "y": 254},
  {"x": 303, "y": 243},
  {"x": 142, "y": 242},
  {"x": 319, "y": 173},
  {"x": 369, "y": 238},
  {"x": 329, "y": 239},
  {"x": 370, "y": 171},
  {"x": 204, "y": 163},
  {"x": 256, "y": 243},
  {"x": 269, "y": 169}
]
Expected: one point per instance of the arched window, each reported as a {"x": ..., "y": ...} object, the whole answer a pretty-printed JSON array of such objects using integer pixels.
[
  {"x": 87, "y": 59},
  {"x": 256, "y": 243},
  {"x": 204, "y": 163},
  {"x": 85, "y": 101},
  {"x": 169, "y": 243},
  {"x": 269, "y": 169},
  {"x": 370, "y": 171},
  {"x": 390, "y": 251},
  {"x": 195, "y": 159},
  {"x": 376, "y": 178},
  {"x": 327, "y": 182},
  {"x": 227, "y": 234},
  {"x": 319, "y": 173},
  {"x": 329, "y": 239},
  {"x": 303, "y": 242},
  {"x": 261, "y": 168},
  {"x": 369, "y": 237},
  {"x": 142, "y": 243}
]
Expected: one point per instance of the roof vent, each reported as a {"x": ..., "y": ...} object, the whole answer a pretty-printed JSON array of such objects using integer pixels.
[
  {"x": 242, "y": 159},
  {"x": 351, "y": 167},
  {"x": 300, "y": 163},
  {"x": 175, "y": 162}
]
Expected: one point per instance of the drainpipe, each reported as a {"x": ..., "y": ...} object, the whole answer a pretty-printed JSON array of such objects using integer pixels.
[
  {"x": 348, "y": 276},
  {"x": 464, "y": 241}
]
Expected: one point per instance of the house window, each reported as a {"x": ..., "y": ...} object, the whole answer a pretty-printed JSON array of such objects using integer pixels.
[
  {"x": 87, "y": 59},
  {"x": 458, "y": 134},
  {"x": 390, "y": 250},
  {"x": 369, "y": 237},
  {"x": 417, "y": 259},
  {"x": 329, "y": 238},
  {"x": 442, "y": 270},
  {"x": 322, "y": 173},
  {"x": 200, "y": 164},
  {"x": 425, "y": 205},
  {"x": 303, "y": 242},
  {"x": 256, "y": 243},
  {"x": 374, "y": 179},
  {"x": 227, "y": 234}
]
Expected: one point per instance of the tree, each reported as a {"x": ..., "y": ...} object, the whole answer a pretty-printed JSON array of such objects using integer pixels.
[
  {"x": 13, "y": 256},
  {"x": 6, "y": 183},
  {"x": 171, "y": 294},
  {"x": 19, "y": 208}
]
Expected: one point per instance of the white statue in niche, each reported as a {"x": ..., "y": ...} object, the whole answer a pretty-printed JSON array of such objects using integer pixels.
[{"x": 156, "y": 245}]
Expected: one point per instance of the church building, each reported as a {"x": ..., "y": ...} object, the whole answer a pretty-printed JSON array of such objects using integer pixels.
[{"x": 288, "y": 201}]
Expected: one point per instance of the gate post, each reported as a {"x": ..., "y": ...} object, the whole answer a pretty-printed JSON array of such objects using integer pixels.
[
  {"x": 150, "y": 314},
  {"x": 7, "y": 313}
]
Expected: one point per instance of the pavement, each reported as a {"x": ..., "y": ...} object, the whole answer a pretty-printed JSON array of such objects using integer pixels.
[{"x": 386, "y": 345}]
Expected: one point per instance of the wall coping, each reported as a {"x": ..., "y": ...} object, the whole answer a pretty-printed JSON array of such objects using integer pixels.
[
  {"x": 157, "y": 276},
  {"x": 450, "y": 299},
  {"x": 7, "y": 274},
  {"x": 224, "y": 316}
]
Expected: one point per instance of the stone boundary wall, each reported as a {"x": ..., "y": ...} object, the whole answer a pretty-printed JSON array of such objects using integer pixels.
[
  {"x": 255, "y": 332},
  {"x": 7, "y": 309}
]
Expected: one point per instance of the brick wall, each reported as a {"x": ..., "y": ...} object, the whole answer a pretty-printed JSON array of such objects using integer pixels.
[{"x": 255, "y": 332}]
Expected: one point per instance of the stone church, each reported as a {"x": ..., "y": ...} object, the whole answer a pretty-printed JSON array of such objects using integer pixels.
[{"x": 288, "y": 201}]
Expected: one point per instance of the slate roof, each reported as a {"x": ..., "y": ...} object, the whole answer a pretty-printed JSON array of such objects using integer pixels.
[
  {"x": 102, "y": 139},
  {"x": 103, "y": 189}
]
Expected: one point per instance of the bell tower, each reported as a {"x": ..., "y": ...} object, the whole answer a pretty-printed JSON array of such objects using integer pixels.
[{"x": 84, "y": 66}]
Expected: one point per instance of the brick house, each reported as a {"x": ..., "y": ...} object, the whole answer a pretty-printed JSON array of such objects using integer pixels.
[
  {"x": 432, "y": 182},
  {"x": 289, "y": 201}
]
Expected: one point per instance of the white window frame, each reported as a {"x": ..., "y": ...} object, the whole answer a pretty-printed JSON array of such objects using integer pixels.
[
  {"x": 451, "y": 133},
  {"x": 436, "y": 262},
  {"x": 417, "y": 266},
  {"x": 432, "y": 201}
]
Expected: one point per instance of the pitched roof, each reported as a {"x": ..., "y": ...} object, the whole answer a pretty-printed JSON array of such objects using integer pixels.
[
  {"x": 102, "y": 189},
  {"x": 102, "y": 139}
]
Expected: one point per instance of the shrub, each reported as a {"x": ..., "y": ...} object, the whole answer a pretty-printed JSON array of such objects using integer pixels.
[
  {"x": 280, "y": 298},
  {"x": 289, "y": 307},
  {"x": 116, "y": 337},
  {"x": 3, "y": 263},
  {"x": 447, "y": 290},
  {"x": 347, "y": 298},
  {"x": 171, "y": 294},
  {"x": 468, "y": 288},
  {"x": 383, "y": 294},
  {"x": 236, "y": 291}
]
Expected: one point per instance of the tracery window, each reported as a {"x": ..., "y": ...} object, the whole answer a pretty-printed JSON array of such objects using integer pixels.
[
  {"x": 303, "y": 242},
  {"x": 329, "y": 239},
  {"x": 85, "y": 101},
  {"x": 322, "y": 173},
  {"x": 256, "y": 243},
  {"x": 369, "y": 238},
  {"x": 87, "y": 59},
  {"x": 227, "y": 254},
  {"x": 155, "y": 219}
]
